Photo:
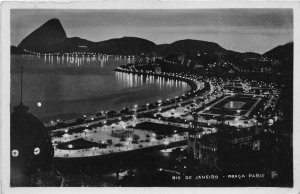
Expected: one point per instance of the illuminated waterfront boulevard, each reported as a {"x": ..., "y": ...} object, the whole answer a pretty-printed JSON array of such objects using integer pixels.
[
  {"x": 103, "y": 133},
  {"x": 119, "y": 110},
  {"x": 199, "y": 85},
  {"x": 122, "y": 133}
]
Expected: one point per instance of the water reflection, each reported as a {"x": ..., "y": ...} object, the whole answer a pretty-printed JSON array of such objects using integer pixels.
[
  {"x": 134, "y": 80},
  {"x": 75, "y": 60},
  {"x": 67, "y": 93}
]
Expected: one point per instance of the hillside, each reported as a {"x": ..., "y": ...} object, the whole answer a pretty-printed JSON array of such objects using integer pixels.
[
  {"x": 51, "y": 37},
  {"x": 283, "y": 53},
  {"x": 189, "y": 45},
  {"x": 47, "y": 38}
]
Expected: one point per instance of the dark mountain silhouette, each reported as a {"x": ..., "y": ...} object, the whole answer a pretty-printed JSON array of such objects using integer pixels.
[
  {"x": 76, "y": 44},
  {"x": 47, "y": 38},
  {"x": 16, "y": 50},
  {"x": 189, "y": 45},
  {"x": 249, "y": 55},
  {"x": 124, "y": 46},
  {"x": 283, "y": 53},
  {"x": 51, "y": 37}
]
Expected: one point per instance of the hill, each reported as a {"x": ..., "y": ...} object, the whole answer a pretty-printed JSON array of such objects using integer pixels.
[
  {"x": 283, "y": 53},
  {"x": 189, "y": 45},
  {"x": 124, "y": 46},
  {"x": 47, "y": 38},
  {"x": 51, "y": 37}
]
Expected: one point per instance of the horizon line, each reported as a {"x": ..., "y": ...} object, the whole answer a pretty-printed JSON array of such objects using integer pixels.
[{"x": 157, "y": 44}]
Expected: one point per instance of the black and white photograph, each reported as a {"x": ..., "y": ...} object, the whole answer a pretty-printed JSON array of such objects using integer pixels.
[{"x": 150, "y": 97}]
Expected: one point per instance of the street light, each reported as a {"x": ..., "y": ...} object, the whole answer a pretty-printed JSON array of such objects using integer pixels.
[{"x": 166, "y": 142}]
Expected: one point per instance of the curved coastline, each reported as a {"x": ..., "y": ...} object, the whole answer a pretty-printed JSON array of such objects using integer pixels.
[
  {"x": 197, "y": 87},
  {"x": 194, "y": 84},
  {"x": 190, "y": 82}
]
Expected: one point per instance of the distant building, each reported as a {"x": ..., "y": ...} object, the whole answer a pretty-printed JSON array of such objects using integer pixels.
[
  {"x": 188, "y": 63},
  {"x": 147, "y": 60},
  {"x": 198, "y": 65},
  {"x": 208, "y": 147},
  {"x": 194, "y": 135},
  {"x": 205, "y": 147},
  {"x": 157, "y": 69}
]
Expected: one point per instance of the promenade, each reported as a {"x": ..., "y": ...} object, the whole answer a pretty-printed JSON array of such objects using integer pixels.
[
  {"x": 98, "y": 131},
  {"x": 104, "y": 133}
]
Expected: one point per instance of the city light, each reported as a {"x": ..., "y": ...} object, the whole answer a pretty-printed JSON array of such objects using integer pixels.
[
  {"x": 15, "y": 153},
  {"x": 39, "y": 104},
  {"x": 36, "y": 151},
  {"x": 66, "y": 135},
  {"x": 224, "y": 111}
]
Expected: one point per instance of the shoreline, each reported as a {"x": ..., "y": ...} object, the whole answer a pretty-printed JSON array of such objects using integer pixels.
[
  {"x": 192, "y": 83},
  {"x": 197, "y": 88}
]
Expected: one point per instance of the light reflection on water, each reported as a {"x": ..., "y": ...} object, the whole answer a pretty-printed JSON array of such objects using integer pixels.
[
  {"x": 68, "y": 87},
  {"x": 72, "y": 61},
  {"x": 133, "y": 80},
  {"x": 76, "y": 60}
]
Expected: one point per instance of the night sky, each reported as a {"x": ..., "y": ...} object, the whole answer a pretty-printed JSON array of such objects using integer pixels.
[{"x": 243, "y": 30}]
